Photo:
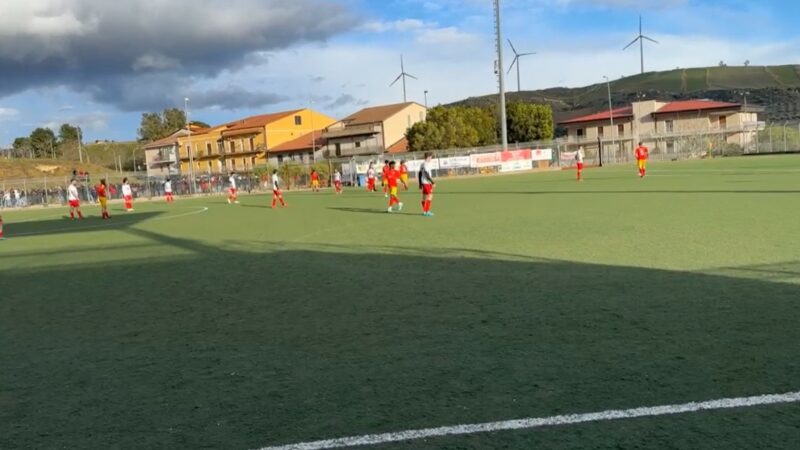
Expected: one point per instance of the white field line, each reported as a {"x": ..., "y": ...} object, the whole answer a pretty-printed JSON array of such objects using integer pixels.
[
  {"x": 524, "y": 424},
  {"x": 109, "y": 224}
]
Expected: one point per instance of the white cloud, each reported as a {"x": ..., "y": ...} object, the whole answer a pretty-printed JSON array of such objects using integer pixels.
[
  {"x": 403, "y": 25},
  {"x": 447, "y": 35},
  {"x": 8, "y": 113}
]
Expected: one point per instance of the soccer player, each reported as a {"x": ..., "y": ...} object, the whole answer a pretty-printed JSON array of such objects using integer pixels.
[
  {"x": 579, "y": 162},
  {"x": 371, "y": 179},
  {"x": 427, "y": 184},
  {"x": 168, "y": 191},
  {"x": 232, "y": 196},
  {"x": 642, "y": 153},
  {"x": 127, "y": 195},
  {"x": 2, "y": 238},
  {"x": 276, "y": 190},
  {"x": 314, "y": 181},
  {"x": 337, "y": 181},
  {"x": 102, "y": 197},
  {"x": 392, "y": 175},
  {"x": 384, "y": 181},
  {"x": 404, "y": 174},
  {"x": 74, "y": 200}
]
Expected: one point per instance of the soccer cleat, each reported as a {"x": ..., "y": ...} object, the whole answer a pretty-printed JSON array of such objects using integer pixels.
[
  {"x": 237, "y": 202},
  {"x": 389, "y": 210},
  {"x": 400, "y": 206}
]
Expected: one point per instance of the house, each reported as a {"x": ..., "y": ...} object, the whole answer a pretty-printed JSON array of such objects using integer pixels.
[
  {"x": 162, "y": 156},
  {"x": 301, "y": 149},
  {"x": 373, "y": 131},
  {"x": 243, "y": 144},
  {"x": 666, "y": 127}
]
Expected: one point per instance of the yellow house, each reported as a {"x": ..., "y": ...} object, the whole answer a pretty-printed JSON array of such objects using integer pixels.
[{"x": 243, "y": 144}]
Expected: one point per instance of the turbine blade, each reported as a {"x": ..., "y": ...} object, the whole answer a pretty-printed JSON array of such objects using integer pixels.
[
  {"x": 512, "y": 46},
  {"x": 396, "y": 80},
  {"x": 649, "y": 39},
  {"x": 632, "y": 42},
  {"x": 510, "y": 68},
  {"x": 410, "y": 76},
  {"x": 527, "y": 54}
]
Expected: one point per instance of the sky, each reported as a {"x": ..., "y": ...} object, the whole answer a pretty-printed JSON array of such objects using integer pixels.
[{"x": 100, "y": 64}]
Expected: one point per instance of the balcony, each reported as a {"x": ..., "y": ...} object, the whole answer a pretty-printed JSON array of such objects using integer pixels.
[{"x": 353, "y": 130}]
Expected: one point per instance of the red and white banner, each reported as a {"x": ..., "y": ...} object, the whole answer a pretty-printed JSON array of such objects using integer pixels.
[
  {"x": 480, "y": 160},
  {"x": 542, "y": 154},
  {"x": 515, "y": 155},
  {"x": 516, "y": 166}
]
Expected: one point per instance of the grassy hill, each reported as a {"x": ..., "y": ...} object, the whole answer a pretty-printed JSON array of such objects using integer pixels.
[
  {"x": 17, "y": 169},
  {"x": 106, "y": 153},
  {"x": 777, "y": 88}
]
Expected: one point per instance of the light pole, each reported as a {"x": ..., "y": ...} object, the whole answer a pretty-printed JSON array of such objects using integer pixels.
[
  {"x": 189, "y": 139},
  {"x": 611, "y": 116},
  {"x": 426, "y": 99},
  {"x": 501, "y": 75},
  {"x": 80, "y": 145},
  {"x": 313, "y": 135}
]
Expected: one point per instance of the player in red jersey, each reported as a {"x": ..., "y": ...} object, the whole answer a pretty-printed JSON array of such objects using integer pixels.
[
  {"x": 392, "y": 176},
  {"x": 102, "y": 197},
  {"x": 426, "y": 184},
  {"x": 314, "y": 180},
  {"x": 642, "y": 154},
  {"x": 384, "y": 181},
  {"x": 403, "y": 174}
]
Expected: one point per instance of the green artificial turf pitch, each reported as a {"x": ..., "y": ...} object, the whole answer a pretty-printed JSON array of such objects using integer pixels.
[{"x": 527, "y": 295}]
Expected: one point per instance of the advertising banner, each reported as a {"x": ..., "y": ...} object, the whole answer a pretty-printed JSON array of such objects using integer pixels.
[
  {"x": 515, "y": 155},
  {"x": 455, "y": 162},
  {"x": 515, "y": 166},
  {"x": 542, "y": 154},
  {"x": 480, "y": 160}
]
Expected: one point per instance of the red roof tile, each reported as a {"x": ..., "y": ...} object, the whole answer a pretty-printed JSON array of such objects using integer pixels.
[
  {"x": 695, "y": 105},
  {"x": 259, "y": 121},
  {"x": 625, "y": 111},
  {"x": 375, "y": 114},
  {"x": 302, "y": 143},
  {"x": 400, "y": 146}
]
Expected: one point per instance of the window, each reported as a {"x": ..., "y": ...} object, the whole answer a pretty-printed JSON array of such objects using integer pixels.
[
  {"x": 358, "y": 144},
  {"x": 669, "y": 126},
  {"x": 298, "y": 120},
  {"x": 579, "y": 132},
  {"x": 670, "y": 146},
  {"x": 723, "y": 122},
  {"x": 209, "y": 167},
  {"x": 208, "y": 148},
  {"x": 620, "y": 129},
  {"x": 252, "y": 144},
  {"x": 233, "y": 146},
  {"x": 253, "y": 161},
  {"x": 233, "y": 164},
  {"x": 280, "y": 159},
  {"x": 600, "y": 132},
  {"x": 221, "y": 147}
]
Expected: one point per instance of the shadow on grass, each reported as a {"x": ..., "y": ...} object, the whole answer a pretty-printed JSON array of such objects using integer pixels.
[
  {"x": 240, "y": 349},
  {"x": 64, "y": 225},
  {"x": 621, "y": 191},
  {"x": 373, "y": 211}
]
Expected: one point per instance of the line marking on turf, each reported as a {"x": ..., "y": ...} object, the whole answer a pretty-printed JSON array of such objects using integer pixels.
[
  {"x": 530, "y": 423},
  {"x": 109, "y": 224}
]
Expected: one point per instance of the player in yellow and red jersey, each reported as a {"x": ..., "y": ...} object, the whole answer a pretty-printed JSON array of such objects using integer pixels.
[
  {"x": 102, "y": 197},
  {"x": 642, "y": 153},
  {"x": 384, "y": 181},
  {"x": 392, "y": 175},
  {"x": 403, "y": 174},
  {"x": 314, "y": 180}
]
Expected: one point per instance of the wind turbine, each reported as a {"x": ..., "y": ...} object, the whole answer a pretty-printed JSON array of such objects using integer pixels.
[
  {"x": 641, "y": 38},
  {"x": 403, "y": 75},
  {"x": 517, "y": 56}
]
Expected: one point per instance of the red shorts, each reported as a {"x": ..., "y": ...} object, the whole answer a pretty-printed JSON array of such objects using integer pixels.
[
  {"x": 128, "y": 198},
  {"x": 233, "y": 191},
  {"x": 276, "y": 192},
  {"x": 74, "y": 203},
  {"x": 338, "y": 184},
  {"x": 580, "y": 166},
  {"x": 427, "y": 189},
  {"x": 168, "y": 194}
]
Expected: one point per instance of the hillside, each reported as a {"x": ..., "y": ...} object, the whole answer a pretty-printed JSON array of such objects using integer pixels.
[
  {"x": 776, "y": 88},
  {"x": 12, "y": 170}
]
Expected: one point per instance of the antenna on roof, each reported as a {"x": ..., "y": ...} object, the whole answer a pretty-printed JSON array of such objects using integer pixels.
[
  {"x": 403, "y": 75},
  {"x": 517, "y": 56},
  {"x": 641, "y": 38}
]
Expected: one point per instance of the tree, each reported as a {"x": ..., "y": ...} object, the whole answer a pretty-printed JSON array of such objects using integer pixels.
[
  {"x": 67, "y": 133},
  {"x": 22, "y": 147},
  {"x": 42, "y": 142},
  {"x": 528, "y": 122},
  {"x": 454, "y": 127},
  {"x": 747, "y": 63},
  {"x": 154, "y": 126}
]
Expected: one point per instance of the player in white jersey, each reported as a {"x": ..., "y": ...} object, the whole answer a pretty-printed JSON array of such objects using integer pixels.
[
  {"x": 276, "y": 189},
  {"x": 74, "y": 200},
  {"x": 427, "y": 184},
  {"x": 337, "y": 181},
  {"x": 127, "y": 195},
  {"x": 579, "y": 163},
  {"x": 168, "y": 191},
  {"x": 371, "y": 179},
  {"x": 233, "y": 197}
]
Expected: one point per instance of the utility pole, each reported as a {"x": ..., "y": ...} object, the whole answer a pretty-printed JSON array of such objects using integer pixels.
[
  {"x": 611, "y": 115},
  {"x": 80, "y": 145},
  {"x": 189, "y": 139},
  {"x": 426, "y": 99},
  {"x": 501, "y": 75}
]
